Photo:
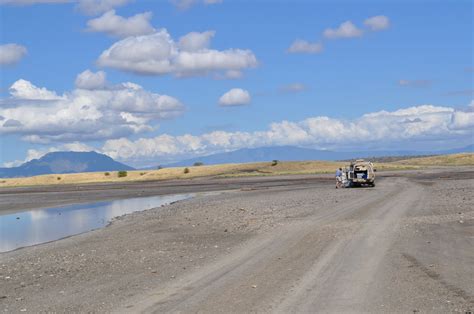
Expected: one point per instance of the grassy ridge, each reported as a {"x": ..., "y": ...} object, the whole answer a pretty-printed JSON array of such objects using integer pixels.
[
  {"x": 465, "y": 159},
  {"x": 247, "y": 169},
  {"x": 232, "y": 170}
]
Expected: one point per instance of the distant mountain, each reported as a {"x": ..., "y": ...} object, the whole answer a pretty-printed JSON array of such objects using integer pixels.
[
  {"x": 260, "y": 154},
  {"x": 467, "y": 149},
  {"x": 73, "y": 162},
  {"x": 64, "y": 162},
  {"x": 292, "y": 153}
]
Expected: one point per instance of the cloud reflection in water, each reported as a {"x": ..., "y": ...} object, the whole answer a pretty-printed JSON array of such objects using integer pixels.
[{"x": 45, "y": 225}]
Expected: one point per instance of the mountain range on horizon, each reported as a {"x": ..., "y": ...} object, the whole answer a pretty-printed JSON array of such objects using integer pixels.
[
  {"x": 74, "y": 162},
  {"x": 293, "y": 153},
  {"x": 64, "y": 162}
]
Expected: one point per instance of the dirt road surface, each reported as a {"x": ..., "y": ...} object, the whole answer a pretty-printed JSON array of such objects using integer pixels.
[{"x": 405, "y": 246}]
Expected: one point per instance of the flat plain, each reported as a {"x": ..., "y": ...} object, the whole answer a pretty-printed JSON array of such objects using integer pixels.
[{"x": 288, "y": 243}]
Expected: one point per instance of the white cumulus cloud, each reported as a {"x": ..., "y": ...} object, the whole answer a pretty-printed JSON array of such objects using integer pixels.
[
  {"x": 95, "y": 7},
  {"x": 91, "y": 80},
  {"x": 235, "y": 97},
  {"x": 31, "y": 2},
  {"x": 377, "y": 23},
  {"x": 463, "y": 120},
  {"x": 89, "y": 7},
  {"x": 345, "y": 30},
  {"x": 409, "y": 127},
  {"x": 159, "y": 54},
  {"x": 11, "y": 53},
  {"x": 94, "y": 111},
  {"x": 116, "y": 25},
  {"x": 196, "y": 41},
  {"x": 23, "y": 89},
  {"x": 303, "y": 46}
]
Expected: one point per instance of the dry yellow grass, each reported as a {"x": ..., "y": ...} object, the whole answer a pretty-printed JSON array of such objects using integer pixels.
[
  {"x": 464, "y": 159},
  {"x": 231, "y": 170},
  {"x": 263, "y": 168}
]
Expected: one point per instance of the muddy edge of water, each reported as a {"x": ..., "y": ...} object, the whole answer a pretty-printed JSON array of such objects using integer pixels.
[{"x": 39, "y": 226}]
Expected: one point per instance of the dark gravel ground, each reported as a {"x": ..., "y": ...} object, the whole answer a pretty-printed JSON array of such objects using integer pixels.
[{"x": 265, "y": 245}]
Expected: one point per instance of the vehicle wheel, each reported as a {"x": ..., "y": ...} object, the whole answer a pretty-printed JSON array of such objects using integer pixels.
[{"x": 372, "y": 184}]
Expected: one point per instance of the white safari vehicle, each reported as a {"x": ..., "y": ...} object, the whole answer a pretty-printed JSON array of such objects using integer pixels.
[{"x": 360, "y": 172}]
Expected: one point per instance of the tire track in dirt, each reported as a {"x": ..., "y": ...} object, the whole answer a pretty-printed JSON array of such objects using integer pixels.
[
  {"x": 262, "y": 272},
  {"x": 341, "y": 281},
  {"x": 432, "y": 274}
]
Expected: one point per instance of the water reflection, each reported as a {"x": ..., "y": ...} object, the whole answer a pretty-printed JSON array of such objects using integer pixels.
[{"x": 44, "y": 225}]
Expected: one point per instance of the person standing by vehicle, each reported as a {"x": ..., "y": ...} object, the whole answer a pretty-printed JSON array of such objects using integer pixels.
[
  {"x": 338, "y": 178},
  {"x": 345, "y": 182}
]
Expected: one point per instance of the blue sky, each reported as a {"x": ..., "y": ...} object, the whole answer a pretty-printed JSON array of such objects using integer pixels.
[{"x": 405, "y": 80}]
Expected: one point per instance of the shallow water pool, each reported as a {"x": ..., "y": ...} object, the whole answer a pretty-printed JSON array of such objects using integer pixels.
[{"x": 44, "y": 225}]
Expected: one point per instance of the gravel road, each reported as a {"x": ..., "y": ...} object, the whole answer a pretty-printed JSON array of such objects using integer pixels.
[{"x": 405, "y": 246}]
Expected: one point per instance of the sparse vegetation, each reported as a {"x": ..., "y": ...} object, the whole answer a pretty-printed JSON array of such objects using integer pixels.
[
  {"x": 464, "y": 159},
  {"x": 58, "y": 178},
  {"x": 198, "y": 163},
  {"x": 159, "y": 167},
  {"x": 186, "y": 170},
  {"x": 274, "y": 162},
  {"x": 235, "y": 170},
  {"x": 142, "y": 173},
  {"x": 386, "y": 159},
  {"x": 107, "y": 174},
  {"x": 122, "y": 174}
]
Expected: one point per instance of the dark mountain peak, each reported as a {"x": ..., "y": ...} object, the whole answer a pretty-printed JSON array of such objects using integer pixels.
[
  {"x": 65, "y": 162},
  {"x": 78, "y": 156}
]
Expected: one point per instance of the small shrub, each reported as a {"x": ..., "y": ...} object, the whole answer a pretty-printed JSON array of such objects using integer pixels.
[
  {"x": 122, "y": 174},
  {"x": 59, "y": 178},
  {"x": 107, "y": 174},
  {"x": 159, "y": 167},
  {"x": 142, "y": 173},
  {"x": 186, "y": 170},
  {"x": 274, "y": 162},
  {"x": 198, "y": 163}
]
